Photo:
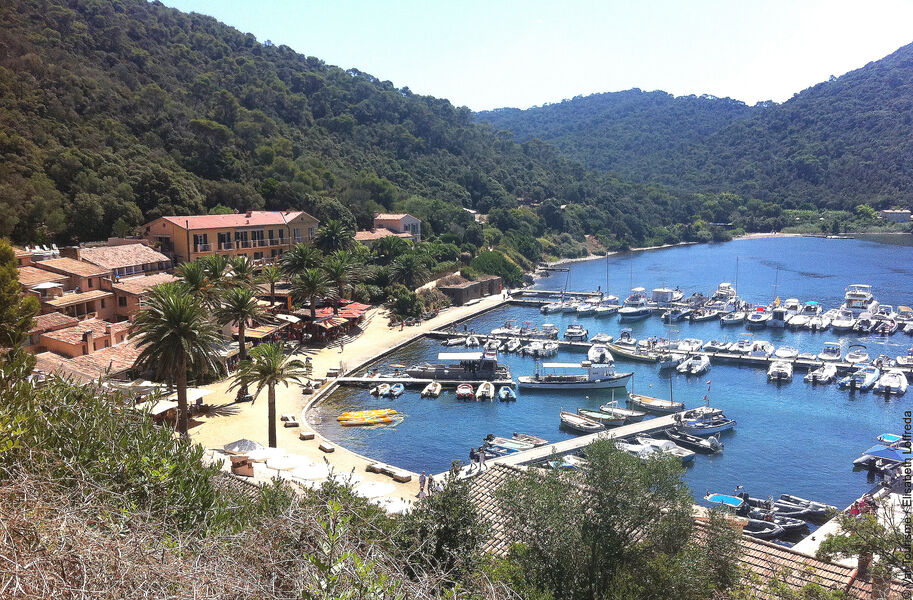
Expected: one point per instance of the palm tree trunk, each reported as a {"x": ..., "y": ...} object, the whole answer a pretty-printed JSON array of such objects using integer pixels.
[
  {"x": 272, "y": 293},
  {"x": 313, "y": 301},
  {"x": 183, "y": 420},
  {"x": 242, "y": 350},
  {"x": 271, "y": 414}
]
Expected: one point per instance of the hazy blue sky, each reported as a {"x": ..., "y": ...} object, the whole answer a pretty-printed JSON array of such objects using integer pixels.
[{"x": 489, "y": 54}]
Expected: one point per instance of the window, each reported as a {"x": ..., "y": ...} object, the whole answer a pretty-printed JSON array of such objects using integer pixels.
[
  {"x": 258, "y": 255},
  {"x": 122, "y": 301},
  {"x": 296, "y": 233},
  {"x": 256, "y": 235},
  {"x": 281, "y": 234},
  {"x": 91, "y": 282},
  {"x": 102, "y": 302}
]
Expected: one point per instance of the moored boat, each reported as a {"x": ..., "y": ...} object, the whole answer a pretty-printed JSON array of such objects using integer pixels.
[
  {"x": 396, "y": 390},
  {"x": 607, "y": 419},
  {"x": 579, "y": 423},
  {"x": 667, "y": 447},
  {"x": 465, "y": 391},
  {"x": 734, "y": 318},
  {"x": 831, "y": 352},
  {"x": 708, "y": 445},
  {"x": 786, "y": 352},
  {"x": 432, "y": 390},
  {"x": 513, "y": 345},
  {"x": 905, "y": 360},
  {"x": 506, "y": 394},
  {"x": 635, "y": 306},
  {"x": 704, "y": 421},
  {"x": 485, "y": 391},
  {"x": 823, "y": 374},
  {"x": 472, "y": 341},
  {"x": 471, "y": 366},
  {"x": 861, "y": 379},
  {"x": 704, "y": 314},
  {"x": 655, "y": 405},
  {"x": 531, "y": 439},
  {"x": 510, "y": 444},
  {"x": 694, "y": 365},
  {"x": 382, "y": 389},
  {"x": 586, "y": 309},
  {"x": 576, "y": 333},
  {"x": 844, "y": 320},
  {"x": 365, "y": 414},
  {"x": 630, "y": 416},
  {"x": 780, "y": 371},
  {"x": 597, "y": 376},
  {"x": 856, "y": 355},
  {"x": 599, "y": 354},
  {"x": 858, "y": 299},
  {"x": 892, "y": 381},
  {"x": 758, "y": 319}
]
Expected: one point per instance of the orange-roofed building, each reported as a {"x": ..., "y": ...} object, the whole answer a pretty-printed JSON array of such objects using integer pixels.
[
  {"x": 85, "y": 337},
  {"x": 399, "y": 223},
  {"x": 260, "y": 235},
  {"x": 126, "y": 259},
  {"x": 45, "y": 323},
  {"x": 129, "y": 292}
]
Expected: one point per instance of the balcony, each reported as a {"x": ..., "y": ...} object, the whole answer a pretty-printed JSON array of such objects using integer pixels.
[
  {"x": 202, "y": 248},
  {"x": 227, "y": 246},
  {"x": 244, "y": 244},
  {"x": 274, "y": 242}
]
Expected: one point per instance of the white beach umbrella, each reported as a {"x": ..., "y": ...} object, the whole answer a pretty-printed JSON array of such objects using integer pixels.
[
  {"x": 394, "y": 506},
  {"x": 242, "y": 446},
  {"x": 311, "y": 471},
  {"x": 373, "y": 489},
  {"x": 264, "y": 454}
]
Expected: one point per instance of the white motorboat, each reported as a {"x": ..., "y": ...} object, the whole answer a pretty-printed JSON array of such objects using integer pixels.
[
  {"x": 549, "y": 349},
  {"x": 635, "y": 306},
  {"x": 704, "y": 421},
  {"x": 802, "y": 318},
  {"x": 579, "y": 423},
  {"x": 861, "y": 379},
  {"x": 569, "y": 306},
  {"x": 716, "y": 346},
  {"x": 639, "y": 450},
  {"x": 485, "y": 391},
  {"x": 858, "y": 299},
  {"x": 664, "y": 296},
  {"x": 472, "y": 341},
  {"x": 818, "y": 323},
  {"x": 857, "y": 355},
  {"x": 905, "y": 360},
  {"x": 865, "y": 323},
  {"x": 598, "y": 354},
  {"x": 743, "y": 345},
  {"x": 831, "y": 352},
  {"x": 759, "y": 318},
  {"x": 724, "y": 297},
  {"x": 761, "y": 348},
  {"x": 586, "y": 309},
  {"x": 626, "y": 339},
  {"x": 549, "y": 331},
  {"x": 695, "y": 365},
  {"x": 512, "y": 345},
  {"x": 508, "y": 329},
  {"x": 667, "y": 447},
  {"x": 786, "y": 352},
  {"x": 734, "y": 318},
  {"x": 601, "y": 376},
  {"x": 605, "y": 310},
  {"x": 779, "y": 371},
  {"x": 551, "y": 307},
  {"x": 533, "y": 349},
  {"x": 892, "y": 381},
  {"x": 630, "y": 416},
  {"x": 601, "y": 338},
  {"x": 778, "y": 316},
  {"x": 674, "y": 315},
  {"x": 823, "y": 374},
  {"x": 690, "y": 345},
  {"x": 844, "y": 320},
  {"x": 493, "y": 344},
  {"x": 669, "y": 360},
  {"x": 576, "y": 333},
  {"x": 456, "y": 341},
  {"x": 432, "y": 390}
]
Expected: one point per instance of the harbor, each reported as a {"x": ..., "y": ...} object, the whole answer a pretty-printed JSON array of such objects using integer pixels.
[{"x": 435, "y": 431}]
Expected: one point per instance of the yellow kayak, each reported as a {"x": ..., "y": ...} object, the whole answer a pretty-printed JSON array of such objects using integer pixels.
[
  {"x": 365, "y": 414},
  {"x": 366, "y": 421}
]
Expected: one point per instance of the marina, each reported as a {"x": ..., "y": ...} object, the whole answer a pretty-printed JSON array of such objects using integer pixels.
[{"x": 832, "y": 425}]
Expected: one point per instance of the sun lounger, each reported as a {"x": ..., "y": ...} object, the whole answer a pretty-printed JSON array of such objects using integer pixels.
[
  {"x": 327, "y": 447},
  {"x": 306, "y": 435}
]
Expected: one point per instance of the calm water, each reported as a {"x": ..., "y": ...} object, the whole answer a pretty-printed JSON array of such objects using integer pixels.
[{"x": 791, "y": 438}]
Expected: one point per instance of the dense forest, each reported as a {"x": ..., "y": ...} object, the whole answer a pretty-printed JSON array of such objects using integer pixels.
[
  {"x": 113, "y": 113},
  {"x": 836, "y": 145}
]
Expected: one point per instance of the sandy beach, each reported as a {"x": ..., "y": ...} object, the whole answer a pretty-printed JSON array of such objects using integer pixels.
[{"x": 225, "y": 421}]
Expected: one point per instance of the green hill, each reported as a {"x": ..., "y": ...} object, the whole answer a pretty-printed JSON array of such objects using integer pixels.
[
  {"x": 835, "y": 145},
  {"x": 114, "y": 113}
]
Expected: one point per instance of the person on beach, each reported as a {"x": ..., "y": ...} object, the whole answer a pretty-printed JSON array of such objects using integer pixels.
[
  {"x": 473, "y": 457},
  {"x": 421, "y": 482},
  {"x": 430, "y": 485},
  {"x": 342, "y": 345},
  {"x": 481, "y": 459}
]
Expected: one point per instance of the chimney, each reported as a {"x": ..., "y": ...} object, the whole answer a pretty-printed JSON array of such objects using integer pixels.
[
  {"x": 88, "y": 340},
  {"x": 249, "y": 214}
]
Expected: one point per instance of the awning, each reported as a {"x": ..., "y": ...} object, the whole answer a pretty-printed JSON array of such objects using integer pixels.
[
  {"x": 288, "y": 318},
  {"x": 331, "y": 322},
  {"x": 193, "y": 394},
  {"x": 459, "y": 356},
  {"x": 885, "y": 452},
  {"x": 156, "y": 408}
]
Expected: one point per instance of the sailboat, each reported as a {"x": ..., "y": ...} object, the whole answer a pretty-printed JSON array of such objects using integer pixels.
[{"x": 608, "y": 305}]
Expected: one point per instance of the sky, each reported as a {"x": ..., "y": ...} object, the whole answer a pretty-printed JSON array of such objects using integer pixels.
[{"x": 491, "y": 54}]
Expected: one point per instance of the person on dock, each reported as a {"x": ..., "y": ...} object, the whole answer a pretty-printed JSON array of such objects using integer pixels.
[
  {"x": 473, "y": 458},
  {"x": 481, "y": 459},
  {"x": 421, "y": 482}
]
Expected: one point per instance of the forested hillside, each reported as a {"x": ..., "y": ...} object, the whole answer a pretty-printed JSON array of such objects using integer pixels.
[
  {"x": 621, "y": 131},
  {"x": 112, "y": 113},
  {"x": 835, "y": 145}
]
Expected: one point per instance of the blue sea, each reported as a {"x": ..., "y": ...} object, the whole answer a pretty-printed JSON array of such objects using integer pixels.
[{"x": 792, "y": 438}]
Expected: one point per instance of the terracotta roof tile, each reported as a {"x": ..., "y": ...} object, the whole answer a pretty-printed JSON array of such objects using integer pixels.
[
  {"x": 52, "y": 321},
  {"x": 113, "y": 360},
  {"x": 32, "y": 276},
  {"x": 257, "y": 218},
  {"x": 139, "y": 285},
  {"x": 71, "y": 266},
  {"x": 119, "y": 257},
  {"x": 77, "y": 298},
  {"x": 73, "y": 334},
  {"x": 392, "y": 216}
]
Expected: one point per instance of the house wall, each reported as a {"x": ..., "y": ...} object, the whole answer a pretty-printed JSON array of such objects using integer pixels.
[
  {"x": 96, "y": 340},
  {"x": 407, "y": 224}
]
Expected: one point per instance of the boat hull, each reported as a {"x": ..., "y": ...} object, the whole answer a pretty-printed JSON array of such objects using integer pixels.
[{"x": 618, "y": 381}]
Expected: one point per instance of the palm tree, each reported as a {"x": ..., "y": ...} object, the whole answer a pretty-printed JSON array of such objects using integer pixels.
[
  {"x": 242, "y": 271},
  {"x": 344, "y": 272},
  {"x": 301, "y": 256},
  {"x": 310, "y": 285},
  {"x": 195, "y": 278},
  {"x": 272, "y": 275},
  {"x": 176, "y": 334},
  {"x": 335, "y": 235},
  {"x": 239, "y": 306},
  {"x": 269, "y": 367},
  {"x": 387, "y": 249},
  {"x": 216, "y": 266},
  {"x": 410, "y": 269}
]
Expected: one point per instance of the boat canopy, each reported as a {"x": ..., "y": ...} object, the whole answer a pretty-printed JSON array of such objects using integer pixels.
[
  {"x": 812, "y": 303},
  {"x": 556, "y": 365},
  {"x": 879, "y": 451},
  {"x": 459, "y": 356},
  {"x": 889, "y": 438},
  {"x": 725, "y": 500}
]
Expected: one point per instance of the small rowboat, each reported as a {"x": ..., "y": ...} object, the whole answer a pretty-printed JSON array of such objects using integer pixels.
[
  {"x": 709, "y": 445},
  {"x": 630, "y": 416},
  {"x": 508, "y": 444},
  {"x": 505, "y": 394},
  {"x": 381, "y": 390},
  {"x": 362, "y": 414},
  {"x": 579, "y": 423},
  {"x": 525, "y": 437},
  {"x": 368, "y": 421},
  {"x": 655, "y": 405},
  {"x": 609, "y": 419},
  {"x": 465, "y": 392},
  {"x": 485, "y": 391},
  {"x": 432, "y": 390},
  {"x": 396, "y": 390}
]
